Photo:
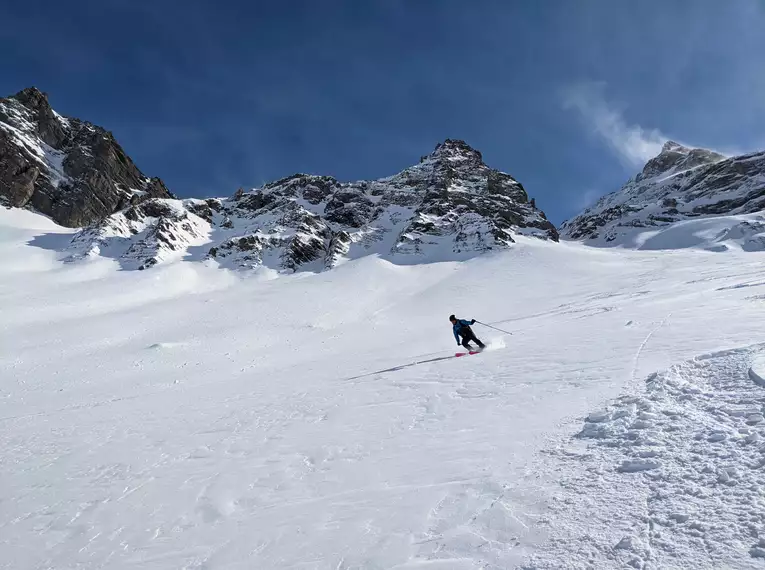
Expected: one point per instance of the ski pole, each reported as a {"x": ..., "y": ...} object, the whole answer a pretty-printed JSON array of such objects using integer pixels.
[{"x": 495, "y": 328}]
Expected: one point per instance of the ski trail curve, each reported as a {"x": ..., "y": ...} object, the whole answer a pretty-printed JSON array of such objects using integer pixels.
[{"x": 644, "y": 343}]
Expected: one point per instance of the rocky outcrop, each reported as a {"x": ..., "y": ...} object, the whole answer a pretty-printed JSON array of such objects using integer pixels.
[
  {"x": 143, "y": 235},
  {"x": 449, "y": 206},
  {"x": 678, "y": 184},
  {"x": 675, "y": 158},
  {"x": 70, "y": 170}
]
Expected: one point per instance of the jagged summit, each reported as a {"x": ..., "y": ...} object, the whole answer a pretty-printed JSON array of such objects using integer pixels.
[
  {"x": 679, "y": 183},
  {"x": 449, "y": 206},
  {"x": 670, "y": 146},
  {"x": 456, "y": 149},
  {"x": 70, "y": 170},
  {"x": 675, "y": 157},
  {"x": 32, "y": 98}
]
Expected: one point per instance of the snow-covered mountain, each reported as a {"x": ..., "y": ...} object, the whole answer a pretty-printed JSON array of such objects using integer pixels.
[
  {"x": 716, "y": 198},
  {"x": 449, "y": 206},
  {"x": 68, "y": 169}
]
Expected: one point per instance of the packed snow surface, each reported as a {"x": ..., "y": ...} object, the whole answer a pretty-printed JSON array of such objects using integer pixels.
[{"x": 191, "y": 417}]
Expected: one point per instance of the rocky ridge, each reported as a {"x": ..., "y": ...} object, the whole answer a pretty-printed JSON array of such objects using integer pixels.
[
  {"x": 70, "y": 170},
  {"x": 449, "y": 206},
  {"x": 679, "y": 184}
]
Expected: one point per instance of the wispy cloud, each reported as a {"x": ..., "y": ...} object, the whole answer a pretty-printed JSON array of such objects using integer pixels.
[
  {"x": 633, "y": 144},
  {"x": 588, "y": 198}
]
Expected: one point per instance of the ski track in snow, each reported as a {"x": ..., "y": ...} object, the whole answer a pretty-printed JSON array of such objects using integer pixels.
[
  {"x": 645, "y": 342},
  {"x": 186, "y": 417}
]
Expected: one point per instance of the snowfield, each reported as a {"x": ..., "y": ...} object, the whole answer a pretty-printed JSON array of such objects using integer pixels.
[
  {"x": 714, "y": 233},
  {"x": 190, "y": 417}
]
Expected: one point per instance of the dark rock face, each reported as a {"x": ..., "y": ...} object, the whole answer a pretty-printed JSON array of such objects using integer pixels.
[
  {"x": 49, "y": 128},
  {"x": 678, "y": 184},
  {"x": 18, "y": 175},
  {"x": 67, "y": 169}
]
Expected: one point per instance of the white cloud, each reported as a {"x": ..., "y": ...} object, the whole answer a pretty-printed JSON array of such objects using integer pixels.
[
  {"x": 588, "y": 198},
  {"x": 633, "y": 144}
]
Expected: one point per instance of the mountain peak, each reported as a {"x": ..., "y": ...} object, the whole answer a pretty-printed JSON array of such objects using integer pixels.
[
  {"x": 672, "y": 146},
  {"x": 455, "y": 149},
  {"x": 48, "y": 125},
  {"x": 32, "y": 98},
  {"x": 675, "y": 157},
  {"x": 73, "y": 172},
  {"x": 678, "y": 184}
]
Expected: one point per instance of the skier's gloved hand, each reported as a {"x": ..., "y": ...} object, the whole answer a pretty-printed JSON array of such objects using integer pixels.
[{"x": 472, "y": 322}]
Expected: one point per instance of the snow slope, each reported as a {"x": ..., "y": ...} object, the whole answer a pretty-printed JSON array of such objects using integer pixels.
[
  {"x": 717, "y": 234},
  {"x": 189, "y": 417}
]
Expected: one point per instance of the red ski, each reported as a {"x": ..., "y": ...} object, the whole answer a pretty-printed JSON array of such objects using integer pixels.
[{"x": 458, "y": 354}]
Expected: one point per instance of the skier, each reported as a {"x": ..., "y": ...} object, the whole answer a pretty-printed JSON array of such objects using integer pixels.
[{"x": 462, "y": 329}]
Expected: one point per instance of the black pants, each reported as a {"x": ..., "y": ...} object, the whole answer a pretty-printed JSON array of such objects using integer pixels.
[{"x": 467, "y": 335}]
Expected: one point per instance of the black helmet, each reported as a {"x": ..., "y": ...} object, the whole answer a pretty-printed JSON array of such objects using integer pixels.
[{"x": 452, "y": 318}]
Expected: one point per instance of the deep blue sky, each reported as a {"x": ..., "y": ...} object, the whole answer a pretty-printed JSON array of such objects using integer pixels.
[{"x": 570, "y": 97}]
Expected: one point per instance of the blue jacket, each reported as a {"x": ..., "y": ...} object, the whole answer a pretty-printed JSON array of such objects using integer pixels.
[{"x": 457, "y": 327}]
